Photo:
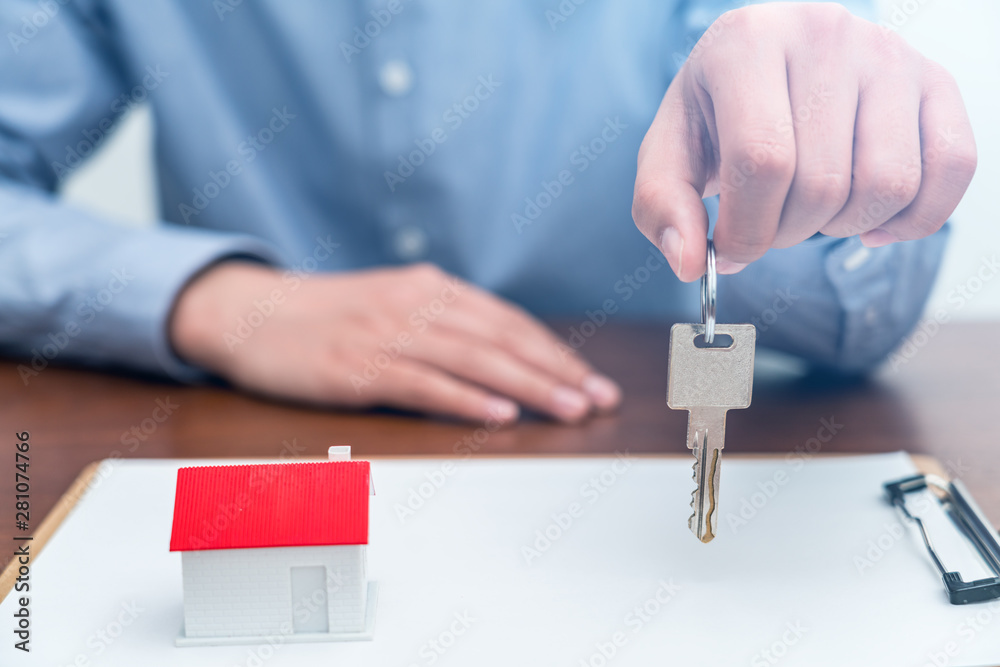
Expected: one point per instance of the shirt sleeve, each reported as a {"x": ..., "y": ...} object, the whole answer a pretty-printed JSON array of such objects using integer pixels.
[
  {"x": 834, "y": 302},
  {"x": 74, "y": 287}
]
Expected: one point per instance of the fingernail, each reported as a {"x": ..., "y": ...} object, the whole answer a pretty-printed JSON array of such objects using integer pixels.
[
  {"x": 569, "y": 404},
  {"x": 877, "y": 238},
  {"x": 503, "y": 410},
  {"x": 604, "y": 391},
  {"x": 672, "y": 247},
  {"x": 725, "y": 267}
]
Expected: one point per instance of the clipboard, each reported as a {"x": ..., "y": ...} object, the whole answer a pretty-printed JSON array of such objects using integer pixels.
[
  {"x": 50, "y": 524},
  {"x": 611, "y": 530},
  {"x": 927, "y": 465},
  {"x": 967, "y": 519}
]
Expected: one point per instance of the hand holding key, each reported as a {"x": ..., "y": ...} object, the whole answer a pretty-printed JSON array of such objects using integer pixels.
[
  {"x": 804, "y": 119},
  {"x": 710, "y": 372}
]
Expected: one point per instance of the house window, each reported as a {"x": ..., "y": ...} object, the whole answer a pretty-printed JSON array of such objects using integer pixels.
[{"x": 310, "y": 609}]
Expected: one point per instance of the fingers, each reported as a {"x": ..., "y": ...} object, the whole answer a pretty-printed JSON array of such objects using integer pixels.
[
  {"x": 948, "y": 158},
  {"x": 824, "y": 100},
  {"x": 496, "y": 370},
  {"x": 480, "y": 340},
  {"x": 527, "y": 341},
  {"x": 673, "y": 168},
  {"x": 414, "y": 386},
  {"x": 757, "y": 158},
  {"x": 887, "y": 163}
]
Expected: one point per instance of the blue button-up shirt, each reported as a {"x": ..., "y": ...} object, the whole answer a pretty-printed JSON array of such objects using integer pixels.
[{"x": 495, "y": 139}]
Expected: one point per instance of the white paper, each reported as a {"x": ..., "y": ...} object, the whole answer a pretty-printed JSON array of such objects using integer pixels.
[{"x": 810, "y": 567}]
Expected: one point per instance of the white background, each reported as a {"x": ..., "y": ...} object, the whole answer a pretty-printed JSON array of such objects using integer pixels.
[{"x": 960, "y": 34}]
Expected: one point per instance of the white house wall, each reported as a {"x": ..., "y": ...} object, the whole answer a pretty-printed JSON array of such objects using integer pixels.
[{"x": 240, "y": 592}]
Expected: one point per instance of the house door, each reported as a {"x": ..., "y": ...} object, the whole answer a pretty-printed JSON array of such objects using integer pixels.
[{"x": 310, "y": 609}]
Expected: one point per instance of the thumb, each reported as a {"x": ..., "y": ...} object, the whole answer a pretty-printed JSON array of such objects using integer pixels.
[{"x": 670, "y": 179}]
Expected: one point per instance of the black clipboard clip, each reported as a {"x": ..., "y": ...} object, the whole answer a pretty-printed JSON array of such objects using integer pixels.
[{"x": 969, "y": 519}]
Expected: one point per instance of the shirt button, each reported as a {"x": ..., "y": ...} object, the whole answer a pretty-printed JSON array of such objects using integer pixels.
[
  {"x": 857, "y": 259},
  {"x": 396, "y": 78},
  {"x": 410, "y": 243}
]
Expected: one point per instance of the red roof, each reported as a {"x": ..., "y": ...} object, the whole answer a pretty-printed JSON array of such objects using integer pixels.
[{"x": 271, "y": 505}]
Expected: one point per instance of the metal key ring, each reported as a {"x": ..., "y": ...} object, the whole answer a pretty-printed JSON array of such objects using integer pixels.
[{"x": 708, "y": 293}]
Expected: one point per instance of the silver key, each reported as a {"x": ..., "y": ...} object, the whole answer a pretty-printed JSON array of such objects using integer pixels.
[{"x": 708, "y": 382}]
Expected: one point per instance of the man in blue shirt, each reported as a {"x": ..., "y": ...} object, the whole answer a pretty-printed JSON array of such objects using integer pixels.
[{"x": 328, "y": 169}]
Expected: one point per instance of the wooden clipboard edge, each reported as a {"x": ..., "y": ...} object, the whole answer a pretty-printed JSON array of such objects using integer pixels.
[
  {"x": 924, "y": 463},
  {"x": 929, "y": 465},
  {"x": 49, "y": 524}
]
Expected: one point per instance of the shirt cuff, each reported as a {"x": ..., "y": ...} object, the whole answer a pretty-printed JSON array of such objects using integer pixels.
[
  {"x": 146, "y": 311},
  {"x": 882, "y": 292},
  {"x": 834, "y": 302}
]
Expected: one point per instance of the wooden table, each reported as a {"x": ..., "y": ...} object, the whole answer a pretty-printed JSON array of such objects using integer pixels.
[{"x": 944, "y": 400}]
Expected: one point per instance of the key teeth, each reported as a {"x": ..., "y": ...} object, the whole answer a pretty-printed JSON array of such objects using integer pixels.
[{"x": 694, "y": 495}]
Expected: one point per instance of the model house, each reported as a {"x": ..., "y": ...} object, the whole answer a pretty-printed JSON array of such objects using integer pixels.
[{"x": 274, "y": 552}]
